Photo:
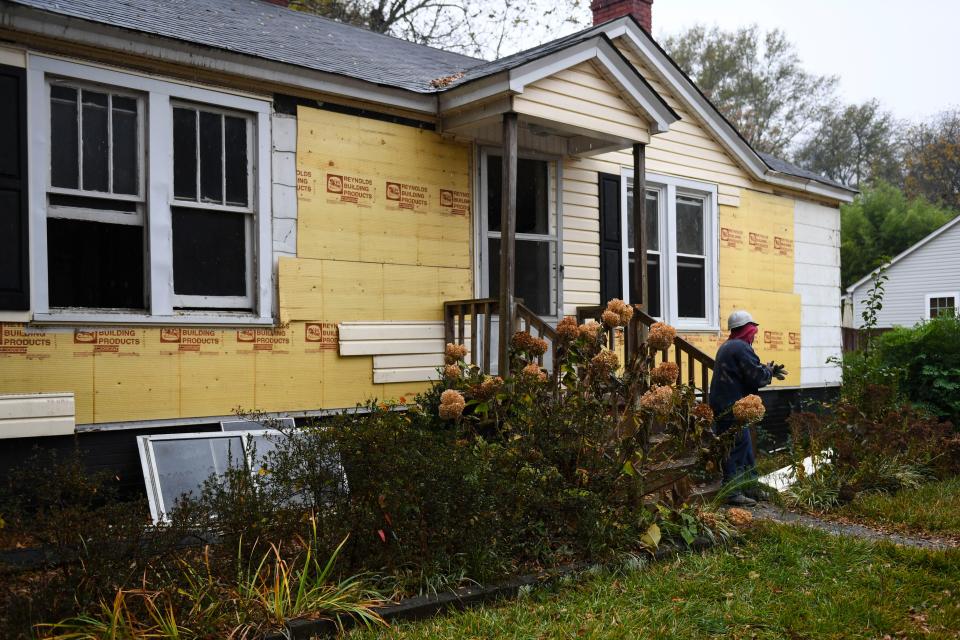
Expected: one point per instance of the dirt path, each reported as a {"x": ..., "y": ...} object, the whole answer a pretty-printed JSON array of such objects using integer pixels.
[{"x": 766, "y": 511}]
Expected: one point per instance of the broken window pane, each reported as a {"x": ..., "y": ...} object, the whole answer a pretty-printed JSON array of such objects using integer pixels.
[
  {"x": 94, "y": 265},
  {"x": 64, "y": 148},
  {"x": 209, "y": 253},
  {"x": 125, "y": 142},
  {"x": 185, "y": 154},
  {"x": 211, "y": 157},
  {"x": 95, "y": 141},
  {"x": 235, "y": 156}
]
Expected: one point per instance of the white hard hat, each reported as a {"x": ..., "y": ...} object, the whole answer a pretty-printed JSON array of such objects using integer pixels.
[{"x": 738, "y": 319}]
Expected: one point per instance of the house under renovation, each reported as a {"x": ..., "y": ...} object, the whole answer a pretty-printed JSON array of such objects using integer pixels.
[{"x": 208, "y": 205}]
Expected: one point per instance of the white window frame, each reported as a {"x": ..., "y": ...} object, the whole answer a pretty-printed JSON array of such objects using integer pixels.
[
  {"x": 930, "y": 296},
  {"x": 151, "y": 475},
  {"x": 483, "y": 234},
  {"x": 669, "y": 187},
  {"x": 159, "y": 96}
]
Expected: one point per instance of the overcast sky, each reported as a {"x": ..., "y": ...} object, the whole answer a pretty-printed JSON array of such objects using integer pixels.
[{"x": 904, "y": 53}]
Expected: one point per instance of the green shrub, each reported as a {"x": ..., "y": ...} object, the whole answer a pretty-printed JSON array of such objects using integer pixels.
[{"x": 927, "y": 358}]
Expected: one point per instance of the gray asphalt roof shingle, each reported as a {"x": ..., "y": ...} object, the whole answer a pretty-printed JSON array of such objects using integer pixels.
[
  {"x": 789, "y": 168},
  {"x": 264, "y": 30}
]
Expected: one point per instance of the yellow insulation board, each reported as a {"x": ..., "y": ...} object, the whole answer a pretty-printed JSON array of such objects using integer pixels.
[{"x": 395, "y": 254}]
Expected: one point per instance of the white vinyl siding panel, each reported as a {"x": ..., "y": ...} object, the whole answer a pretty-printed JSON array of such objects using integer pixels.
[
  {"x": 402, "y": 351},
  {"x": 933, "y": 268},
  {"x": 816, "y": 277},
  {"x": 37, "y": 414},
  {"x": 580, "y": 97}
]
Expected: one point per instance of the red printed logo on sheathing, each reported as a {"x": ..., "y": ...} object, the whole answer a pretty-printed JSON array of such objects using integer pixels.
[
  {"x": 84, "y": 337},
  {"x": 169, "y": 335},
  {"x": 446, "y": 198},
  {"x": 334, "y": 183},
  {"x": 246, "y": 335},
  {"x": 393, "y": 191}
]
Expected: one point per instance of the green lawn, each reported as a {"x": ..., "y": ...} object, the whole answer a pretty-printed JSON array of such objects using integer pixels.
[
  {"x": 932, "y": 508},
  {"x": 780, "y": 582}
]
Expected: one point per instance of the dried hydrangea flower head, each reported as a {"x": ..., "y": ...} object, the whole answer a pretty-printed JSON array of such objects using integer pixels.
[
  {"x": 589, "y": 330},
  {"x": 610, "y": 319},
  {"x": 739, "y": 517},
  {"x": 660, "y": 336},
  {"x": 658, "y": 400},
  {"x": 702, "y": 412},
  {"x": 604, "y": 363},
  {"x": 567, "y": 330},
  {"x": 452, "y": 371},
  {"x": 534, "y": 371},
  {"x": 749, "y": 409},
  {"x": 621, "y": 309},
  {"x": 665, "y": 373},
  {"x": 454, "y": 353},
  {"x": 486, "y": 389},
  {"x": 451, "y": 404},
  {"x": 523, "y": 341}
]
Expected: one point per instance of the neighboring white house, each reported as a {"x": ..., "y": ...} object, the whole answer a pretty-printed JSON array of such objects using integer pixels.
[{"x": 924, "y": 282}]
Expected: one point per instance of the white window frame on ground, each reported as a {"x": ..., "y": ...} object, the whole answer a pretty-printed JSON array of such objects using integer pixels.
[
  {"x": 669, "y": 187},
  {"x": 933, "y": 296},
  {"x": 157, "y": 99}
]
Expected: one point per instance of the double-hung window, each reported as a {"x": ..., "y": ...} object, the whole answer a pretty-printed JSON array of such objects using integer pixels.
[
  {"x": 681, "y": 260},
  {"x": 150, "y": 199}
]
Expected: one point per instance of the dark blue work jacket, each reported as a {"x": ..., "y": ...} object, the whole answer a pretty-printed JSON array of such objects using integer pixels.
[{"x": 737, "y": 373}]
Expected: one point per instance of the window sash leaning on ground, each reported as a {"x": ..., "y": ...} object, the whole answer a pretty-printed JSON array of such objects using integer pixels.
[
  {"x": 226, "y": 258},
  {"x": 682, "y": 260}
]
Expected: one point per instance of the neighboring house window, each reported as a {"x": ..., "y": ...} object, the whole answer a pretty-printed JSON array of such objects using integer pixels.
[
  {"x": 941, "y": 304},
  {"x": 155, "y": 199},
  {"x": 681, "y": 261}
]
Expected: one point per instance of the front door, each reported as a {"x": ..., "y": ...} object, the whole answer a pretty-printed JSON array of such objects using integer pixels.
[{"x": 537, "y": 249}]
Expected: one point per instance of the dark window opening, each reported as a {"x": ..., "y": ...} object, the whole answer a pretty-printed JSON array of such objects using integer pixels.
[
  {"x": 210, "y": 152},
  {"x": 95, "y": 265},
  {"x": 209, "y": 253},
  {"x": 533, "y": 274},
  {"x": 533, "y": 191},
  {"x": 691, "y": 287}
]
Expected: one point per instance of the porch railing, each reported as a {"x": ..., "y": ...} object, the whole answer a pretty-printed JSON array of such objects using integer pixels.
[
  {"x": 695, "y": 366},
  {"x": 470, "y": 322}
]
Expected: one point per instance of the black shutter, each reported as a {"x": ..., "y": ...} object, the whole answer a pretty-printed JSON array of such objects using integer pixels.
[
  {"x": 14, "y": 264},
  {"x": 611, "y": 249}
]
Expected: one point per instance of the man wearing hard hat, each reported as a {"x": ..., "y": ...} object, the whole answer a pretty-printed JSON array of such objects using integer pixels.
[{"x": 738, "y": 373}]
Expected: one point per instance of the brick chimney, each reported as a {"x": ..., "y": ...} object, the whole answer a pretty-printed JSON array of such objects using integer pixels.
[{"x": 604, "y": 10}]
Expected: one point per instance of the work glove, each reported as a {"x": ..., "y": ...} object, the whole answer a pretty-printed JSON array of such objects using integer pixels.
[{"x": 779, "y": 371}]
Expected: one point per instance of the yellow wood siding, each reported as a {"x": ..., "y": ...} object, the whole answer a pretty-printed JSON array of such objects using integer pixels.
[{"x": 581, "y": 97}]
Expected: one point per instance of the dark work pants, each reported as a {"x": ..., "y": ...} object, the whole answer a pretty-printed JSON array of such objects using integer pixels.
[{"x": 740, "y": 462}]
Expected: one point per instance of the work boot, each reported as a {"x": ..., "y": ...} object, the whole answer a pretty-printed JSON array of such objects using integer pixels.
[{"x": 740, "y": 500}]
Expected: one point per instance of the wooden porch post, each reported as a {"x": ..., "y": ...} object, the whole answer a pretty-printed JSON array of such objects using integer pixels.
[
  {"x": 508, "y": 225},
  {"x": 640, "y": 223}
]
